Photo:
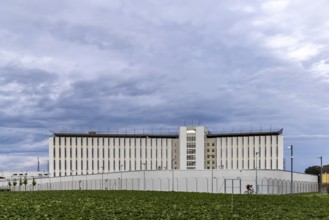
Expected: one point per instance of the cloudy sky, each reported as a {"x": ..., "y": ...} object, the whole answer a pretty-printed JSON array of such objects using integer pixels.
[{"x": 123, "y": 64}]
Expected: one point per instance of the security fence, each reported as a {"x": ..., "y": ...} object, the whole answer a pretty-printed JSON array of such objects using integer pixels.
[{"x": 210, "y": 181}]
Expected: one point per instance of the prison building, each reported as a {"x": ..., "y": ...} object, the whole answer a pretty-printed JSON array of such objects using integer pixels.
[{"x": 191, "y": 147}]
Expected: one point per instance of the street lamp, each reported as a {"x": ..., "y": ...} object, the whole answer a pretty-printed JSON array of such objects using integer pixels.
[
  {"x": 86, "y": 179},
  {"x": 172, "y": 175},
  {"x": 320, "y": 175},
  {"x": 291, "y": 147},
  {"x": 121, "y": 176},
  {"x": 60, "y": 181},
  {"x": 102, "y": 176},
  {"x": 256, "y": 173},
  {"x": 327, "y": 181},
  {"x": 144, "y": 174},
  {"x": 49, "y": 181},
  {"x": 72, "y": 178},
  {"x": 212, "y": 179}
]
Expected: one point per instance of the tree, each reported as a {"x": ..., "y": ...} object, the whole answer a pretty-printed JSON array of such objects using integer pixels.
[
  {"x": 314, "y": 170},
  {"x": 20, "y": 183},
  {"x": 34, "y": 183},
  {"x": 14, "y": 183},
  {"x": 9, "y": 185},
  {"x": 25, "y": 182}
]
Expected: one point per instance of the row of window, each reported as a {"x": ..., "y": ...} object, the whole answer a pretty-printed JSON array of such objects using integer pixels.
[
  {"x": 255, "y": 139},
  {"x": 115, "y": 141},
  {"x": 99, "y": 167},
  {"x": 249, "y": 162},
  {"x": 190, "y": 151},
  {"x": 120, "y": 151},
  {"x": 248, "y": 151},
  {"x": 190, "y": 145}
]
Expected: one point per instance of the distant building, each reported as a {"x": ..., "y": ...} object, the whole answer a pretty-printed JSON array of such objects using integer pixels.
[
  {"x": 16, "y": 175},
  {"x": 192, "y": 147}
]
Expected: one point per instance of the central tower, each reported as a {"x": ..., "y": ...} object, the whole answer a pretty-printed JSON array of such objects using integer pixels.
[{"x": 191, "y": 147}]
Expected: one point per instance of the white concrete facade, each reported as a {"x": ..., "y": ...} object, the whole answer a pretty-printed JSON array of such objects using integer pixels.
[
  {"x": 198, "y": 149},
  {"x": 237, "y": 152},
  {"x": 94, "y": 155}
]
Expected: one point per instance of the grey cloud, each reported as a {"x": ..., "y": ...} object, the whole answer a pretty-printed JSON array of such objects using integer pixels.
[
  {"x": 198, "y": 62},
  {"x": 28, "y": 77},
  {"x": 103, "y": 39}
]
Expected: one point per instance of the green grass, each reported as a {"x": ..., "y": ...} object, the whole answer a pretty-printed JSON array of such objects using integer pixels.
[{"x": 158, "y": 205}]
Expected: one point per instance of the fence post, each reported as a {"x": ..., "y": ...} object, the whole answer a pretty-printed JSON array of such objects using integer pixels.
[{"x": 224, "y": 185}]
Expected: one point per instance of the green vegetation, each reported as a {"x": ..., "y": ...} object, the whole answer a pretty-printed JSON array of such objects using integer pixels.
[{"x": 158, "y": 205}]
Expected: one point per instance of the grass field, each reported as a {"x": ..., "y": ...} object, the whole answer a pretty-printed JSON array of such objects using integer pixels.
[{"x": 158, "y": 205}]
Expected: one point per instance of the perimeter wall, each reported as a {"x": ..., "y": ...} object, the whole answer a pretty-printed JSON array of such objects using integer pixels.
[{"x": 211, "y": 181}]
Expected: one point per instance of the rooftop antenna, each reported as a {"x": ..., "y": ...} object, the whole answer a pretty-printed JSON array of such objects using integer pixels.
[{"x": 38, "y": 165}]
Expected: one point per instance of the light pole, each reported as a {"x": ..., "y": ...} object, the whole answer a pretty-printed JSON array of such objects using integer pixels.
[
  {"x": 327, "y": 182},
  {"x": 121, "y": 176},
  {"x": 49, "y": 181},
  {"x": 212, "y": 180},
  {"x": 60, "y": 181},
  {"x": 172, "y": 175},
  {"x": 320, "y": 174},
  {"x": 102, "y": 176},
  {"x": 256, "y": 173},
  {"x": 86, "y": 179},
  {"x": 72, "y": 178},
  {"x": 144, "y": 175},
  {"x": 291, "y": 147}
]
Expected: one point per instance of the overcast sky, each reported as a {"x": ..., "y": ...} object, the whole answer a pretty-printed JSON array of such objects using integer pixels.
[{"x": 106, "y": 65}]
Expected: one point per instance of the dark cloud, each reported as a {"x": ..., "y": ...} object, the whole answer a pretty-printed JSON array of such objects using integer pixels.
[
  {"x": 26, "y": 77},
  {"x": 117, "y": 65}
]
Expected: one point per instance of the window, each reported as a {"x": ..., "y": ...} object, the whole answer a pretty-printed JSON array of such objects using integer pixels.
[
  {"x": 190, "y": 145},
  {"x": 191, "y": 151},
  {"x": 190, "y": 138}
]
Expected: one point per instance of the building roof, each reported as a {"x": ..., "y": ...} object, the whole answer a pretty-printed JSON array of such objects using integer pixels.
[
  {"x": 166, "y": 135},
  {"x": 250, "y": 133},
  {"x": 94, "y": 134}
]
